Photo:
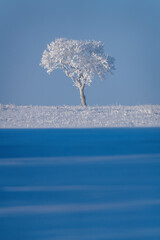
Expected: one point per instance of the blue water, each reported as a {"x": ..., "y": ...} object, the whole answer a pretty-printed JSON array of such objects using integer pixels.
[{"x": 73, "y": 184}]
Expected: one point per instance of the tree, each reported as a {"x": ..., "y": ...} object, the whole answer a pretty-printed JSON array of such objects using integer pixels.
[{"x": 80, "y": 60}]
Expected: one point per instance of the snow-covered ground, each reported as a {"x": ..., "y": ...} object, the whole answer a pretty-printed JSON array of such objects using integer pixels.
[{"x": 12, "y": 116}]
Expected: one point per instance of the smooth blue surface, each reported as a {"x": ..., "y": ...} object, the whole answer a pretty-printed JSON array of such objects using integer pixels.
[
  {"x": 80, "y": 184},
  {"x": 78, "y": 142},
  {"x": 130, "y": 30}
]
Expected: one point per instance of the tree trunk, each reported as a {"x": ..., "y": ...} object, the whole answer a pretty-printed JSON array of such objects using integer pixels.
[{"x": 82, "y": 96}]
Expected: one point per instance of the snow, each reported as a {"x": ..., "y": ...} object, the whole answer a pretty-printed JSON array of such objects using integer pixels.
[
  {"x": 12, "y": 116},
  {"x": 73, "y": 184}
]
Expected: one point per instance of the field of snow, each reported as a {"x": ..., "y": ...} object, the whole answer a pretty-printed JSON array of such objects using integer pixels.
[
  {"x": 74, "y": 184},
  {"x": 12, "y": 116}
]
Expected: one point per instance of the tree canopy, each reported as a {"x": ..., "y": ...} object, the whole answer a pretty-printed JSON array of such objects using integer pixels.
[{"x": 80, "y": 60}]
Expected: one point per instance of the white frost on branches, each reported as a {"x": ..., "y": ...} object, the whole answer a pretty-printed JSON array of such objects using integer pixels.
[{"x": 80, "y": 60}]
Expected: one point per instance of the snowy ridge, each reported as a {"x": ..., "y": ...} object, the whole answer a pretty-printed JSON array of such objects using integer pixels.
[{"x": 12, "y": 116}]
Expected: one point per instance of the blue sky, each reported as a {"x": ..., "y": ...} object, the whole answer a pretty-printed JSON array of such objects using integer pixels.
[{"x": 129, "y": 29}]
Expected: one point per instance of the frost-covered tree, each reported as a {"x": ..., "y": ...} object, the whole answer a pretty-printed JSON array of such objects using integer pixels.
[{"x": 80, "y": 60}]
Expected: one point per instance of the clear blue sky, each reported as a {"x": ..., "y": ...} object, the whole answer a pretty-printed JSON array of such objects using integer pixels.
[{"x": 130, "y": 30}]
